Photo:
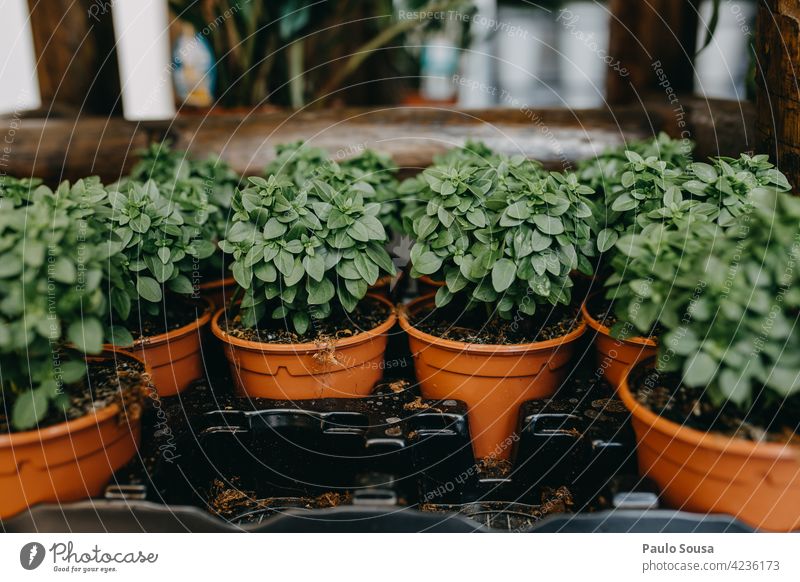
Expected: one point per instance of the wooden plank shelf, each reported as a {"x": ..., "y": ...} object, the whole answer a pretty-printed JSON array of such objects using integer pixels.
[{"x": 60, "y": 148}]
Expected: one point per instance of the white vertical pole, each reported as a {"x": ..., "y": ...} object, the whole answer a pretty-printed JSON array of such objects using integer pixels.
[
  {"x": 19, "y": 84},
  {"x": 141, "y": 30}
]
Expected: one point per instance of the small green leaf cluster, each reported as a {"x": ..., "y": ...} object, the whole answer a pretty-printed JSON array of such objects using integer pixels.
[
  {"x": 55, "y": 253},
  {"x": 603, "y": 172},
  {"x": 18, "y": 190},
  {"x": 296, "y": 162},
  {"x": 714, "y": 193},
  {"x": 729, "y": 301},
  {"x": 723, "y": 186},
  {"x": 201, "y": 189},
  {"x": 161, "y": 247},
  {"x": 645, "y": 186},
  {"x": 374, "y": 174},
  {"x": 501, "y": 232},
  {"x": 379, "y": 171},
  {"x": 304, "y": 253},
  {"x": 414, "y": 192}
]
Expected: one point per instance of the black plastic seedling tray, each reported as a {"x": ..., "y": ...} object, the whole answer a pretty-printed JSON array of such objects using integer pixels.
[{"x": 211, "y": 461}]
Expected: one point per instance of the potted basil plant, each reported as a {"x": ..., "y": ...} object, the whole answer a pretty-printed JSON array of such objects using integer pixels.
[
  {"x": 69, "y": 409},
  {"x": 716, "y": 419},
  {"x": 504, "y": 236},
  {"x": 152, "y": 292},
  {"x": 203, "y": 189},
  {"x": 305, "y": 258}
]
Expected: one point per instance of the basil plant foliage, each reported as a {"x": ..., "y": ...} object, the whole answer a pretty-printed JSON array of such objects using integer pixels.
[
  {"x": 201, "y": 189},
  {"x": 17, "y": 190},
  {"x": 303, "y": 253},
  {"x": 55, "y": 255},
  {"x": 718, "y": 193},
  {"x": 373, "y": 173},
  {"x": 500, "y": 231},
  {"x": 728, "y": 303},
  {"x": 162, "y": 248},
  {"x": 632, "y": 181}
]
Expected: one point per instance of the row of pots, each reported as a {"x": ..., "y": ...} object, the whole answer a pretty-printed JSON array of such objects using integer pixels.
[
  {"x": 757, "y": 482},
  {"x": 694, "y": 470}
]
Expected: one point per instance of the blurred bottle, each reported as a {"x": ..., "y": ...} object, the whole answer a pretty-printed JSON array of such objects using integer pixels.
[
  {"x": 439, "y": 65},
  {"x": 193, "y": 69}
]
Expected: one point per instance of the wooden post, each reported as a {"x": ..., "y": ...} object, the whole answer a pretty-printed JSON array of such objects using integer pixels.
[
  {"x": 73, "y": 39},
  {"x": 644, "y": 33},
  {"x": 778, "y": 95}
]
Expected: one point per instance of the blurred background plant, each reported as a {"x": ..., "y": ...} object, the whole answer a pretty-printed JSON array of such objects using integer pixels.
[{"x": 297, "y": 51}]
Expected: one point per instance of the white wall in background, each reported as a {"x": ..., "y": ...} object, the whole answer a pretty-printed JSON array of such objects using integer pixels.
[
  {"x": 527, "y": 66},
  {"x": 583, "y": 29},
  {"x": 721, "y": 68},
  {"x": 478, "y": 62},
  {"x": 19, "y": 85},
  {"x": 141, "y": 30}
]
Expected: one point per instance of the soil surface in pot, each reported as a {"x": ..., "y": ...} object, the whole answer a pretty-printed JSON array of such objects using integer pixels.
[
  {"x": 602, "y": 310},
  {"x": 175, "y": 313},
  {"x": 367, "y": 315},
  {"x": 455, "y": 323},
  {"x": 778, "y": 422},
  {"x": 106, "y": 382}
]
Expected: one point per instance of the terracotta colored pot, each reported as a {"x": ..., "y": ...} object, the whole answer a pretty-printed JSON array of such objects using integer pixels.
[
  {"x": 383, "y": 286},
  {"x": 69, "y": 461},
  {"x": 759, "y": 483},
  {"x": 175, "y": 357},
  {"x": 616, "y": 356},
  {"x": 346, "y": 368},
  {"x": 426, "y": 285},
  {"x": 218, "y": 291},
  {"x": 493, "y": 380}
]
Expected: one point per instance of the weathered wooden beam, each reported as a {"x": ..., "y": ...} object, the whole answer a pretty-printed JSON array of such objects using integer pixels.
[
  {"x": 778, "y": 95},
  {"x": 60, "y": 148}
]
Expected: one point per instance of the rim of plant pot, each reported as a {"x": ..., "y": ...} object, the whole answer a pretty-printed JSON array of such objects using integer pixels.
[
  {"x": 425, "y": 279},
  {"x": 306, "y": 347},
  {"x": 410, "y": 308},
  {"x": 386, "y": 281},
  {"x": 698, "y": 438},
  {"x": 166, "y": 337},
  {"x": 605, "y": 330},
  {"x": 217, "y": 284},
  {"x": 87, "y": 420}
]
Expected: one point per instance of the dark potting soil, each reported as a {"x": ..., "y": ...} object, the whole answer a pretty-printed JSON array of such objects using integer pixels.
[
  {"x": 106, "y": 382},
  {"x": 175, "y": 314},
  {"x": 663, "y": 394},
  {"x": 471, "y": 326},
  {"x": 367, "y": 315},
  {"x": 602, "y": 310}
]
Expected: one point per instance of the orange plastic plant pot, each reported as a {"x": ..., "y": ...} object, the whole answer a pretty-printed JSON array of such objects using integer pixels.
[
  {"x": 758, "y": 483},
  {"x": 219, "y": 291},
  {"x": 69, "y": 461},
  {"x": 426, "y": 285},
  {"x": 345, "y": 368},
  {"x": 492, "y": 380},
  {"x": 616, "y": 356},
  {"x": 175, "y": 357},
  {"x": 386, "y": 284}
]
